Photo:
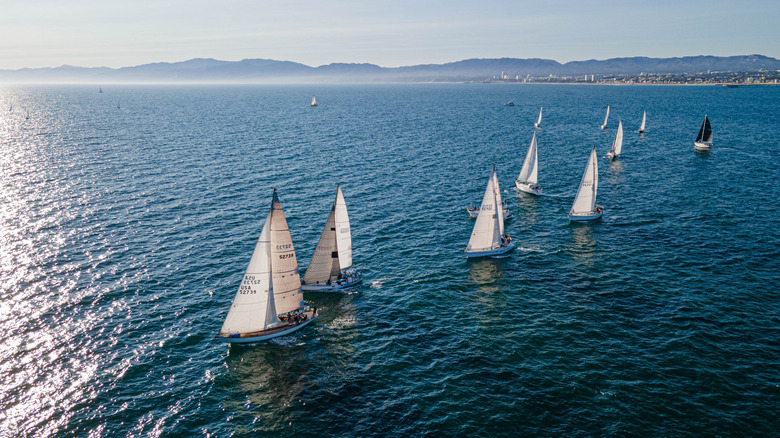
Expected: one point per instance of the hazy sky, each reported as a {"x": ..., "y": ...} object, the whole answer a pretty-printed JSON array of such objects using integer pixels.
[{"x": 117, "y": 33}]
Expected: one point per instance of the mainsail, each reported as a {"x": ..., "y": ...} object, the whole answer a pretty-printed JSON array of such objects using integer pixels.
[
  {"x": 539, "y": 121},
  {"x": 530, "y": 171},
  {"x": 607, "y": 118},
  {"x": 284, "y": 265},
  {"x": 644, "y": 118},
  {"x": 585, "y": 201},
  {"x": 617, "y": 143}
]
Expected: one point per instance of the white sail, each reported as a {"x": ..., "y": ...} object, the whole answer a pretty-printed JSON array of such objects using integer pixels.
[
  {"x": 313, "y": 101},
  {"x": 617, "y": 143},
  {"x": 585, "y": 201},
  {"x": 539, "y": 121},
  {"x": 529, "y": 174},
  {"x": 605, "y": 119},
  {"x": 644, "y": 119},
  {"x": 486, "y": 233},
  {"x": 284, "y": 265},
  {"x": 253, "y": 307},
  {"x": 343, "y": 232},
  {"x": 334, "y": 249},
  {"x": 499, "y": 204}
]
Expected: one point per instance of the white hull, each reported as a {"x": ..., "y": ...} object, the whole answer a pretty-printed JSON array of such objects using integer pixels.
[
  {"x": 536, "y": 125},
  {"x": 584, "y": 217},
  {"x": 523, "y": 187},
  {"x": 491, "y": 252},
  {"x": 333, "y": 287},
  {"x": 700, "y": 145},
  {"x": 474, "y": 212},
  {"x": 603, "y": 126},
  {"x": 264, "y": 335},
  {"x": 611, "y": 156}
]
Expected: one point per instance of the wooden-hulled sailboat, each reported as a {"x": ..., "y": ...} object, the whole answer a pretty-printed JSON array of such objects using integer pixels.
[
  {"x": 644, "y": 119},
  {"x": 313, "y": 101},
  {"x": 617, "y": 143},
  {"x": 704, "y": 139},
  {"x": 487, "y": 237},
  {"x": 539, "y": 120},
  {"x": 584, "y": 207},
  {"x": 269, "y": 302},
  {"x": 527, "y": 180},
  {"x": 606, "y": 118},
  {"x": 327, "y": 269}
]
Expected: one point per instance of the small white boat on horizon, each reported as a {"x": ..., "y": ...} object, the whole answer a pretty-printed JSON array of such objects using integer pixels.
[
  {"x": 584, "y": 207},
  {"x": 606, "y": 118},
  {"x": 487, "y": 237},
  {"x": 704, "y": 138},
  {"x": 528, "y": 179},
  {"x": 617, "y": 143},
  {"x": 313, "y": 101},
  {"x": 327, "y": 269},
  {"x": 269, "y": 303}
]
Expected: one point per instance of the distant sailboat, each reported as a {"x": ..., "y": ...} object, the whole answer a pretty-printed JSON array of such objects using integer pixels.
[
  {"x": 27, "y": 116},
  {"x": 269, "y": 302},
  {"x": 487, "y": 237},
  {"x": 644, "y": 119},
  {"x": 313, "y": 101},
  {"x": 704, "y": 139},
  {"x": 617, "y": 143},
  {"x": 584, "y": 207},
  {"x": 100, "y": 90},
  {"x": 327, "y": 269},
  {"x": 117, "y": 105},
  {"x": 527, "y": 180},
  {"x": 539, "y": 120},
  {"x": 509, "y": 103},
  {"x": 606, "y": 118}
]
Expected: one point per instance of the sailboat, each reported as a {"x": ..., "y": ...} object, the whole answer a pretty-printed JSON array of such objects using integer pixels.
[
  {"x": 617, "y": 143},
  {"x": 27, "y": 116},
  {"x": 604, "y": 126},
  {"x": 528, "y": 178},
  {"x": 539, "y": 120},
  {"x": 644, "y": 119},
  {"x": 584, "y": 207},
  {"x": 704, "y": 139},
  {"x": 488, "y": 238},
  {"x": 100, "y": 90},
  {"x": 269, "y": 303},
  {"x": 313, "y": 101},
  {"x": 327, "y": 269}
]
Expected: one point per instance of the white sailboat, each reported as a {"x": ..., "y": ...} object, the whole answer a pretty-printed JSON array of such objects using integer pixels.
[
  {"x": 313, "y": 101},
  {"x": 644, "y": 119},
  {"x": 269, "y": 302},
  {"x": 584, "y": 207},
  {"x": 539, "y": 120},
  {"x": 487, "y": 237},
  {"x": 527, "y": 180},
  {"x": 606, "y": 118},
  {"x": 704, "y": 139},
  {"x": 617, "y": 143},
  {"x": 327, "y": 269}
]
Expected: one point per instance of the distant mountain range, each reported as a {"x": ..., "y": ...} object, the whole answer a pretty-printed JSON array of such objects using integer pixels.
[{"x": 271, "y": 71}]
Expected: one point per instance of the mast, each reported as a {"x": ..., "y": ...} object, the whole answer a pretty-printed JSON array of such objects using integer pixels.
[{"x": 499, "y": 203}]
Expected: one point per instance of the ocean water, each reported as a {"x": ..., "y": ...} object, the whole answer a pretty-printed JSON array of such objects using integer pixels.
[{"x": 124, "y": 234}]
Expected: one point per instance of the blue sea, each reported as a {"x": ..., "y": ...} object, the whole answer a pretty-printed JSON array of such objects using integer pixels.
[{"x": 128, "y": 217}]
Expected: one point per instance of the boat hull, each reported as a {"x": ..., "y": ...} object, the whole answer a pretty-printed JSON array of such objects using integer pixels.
[
  {"x": 526, "y": 188},
  {"x": 701, "y": 145},
  {"x": 612, "y": 156},
  {"x": 592, "y": 216},
  {"x": 264, "y": 335},
  {"x": 536, "y": 125},
  {"x": 333, "y": 287},
  {"x": 491, "y": 252}
]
